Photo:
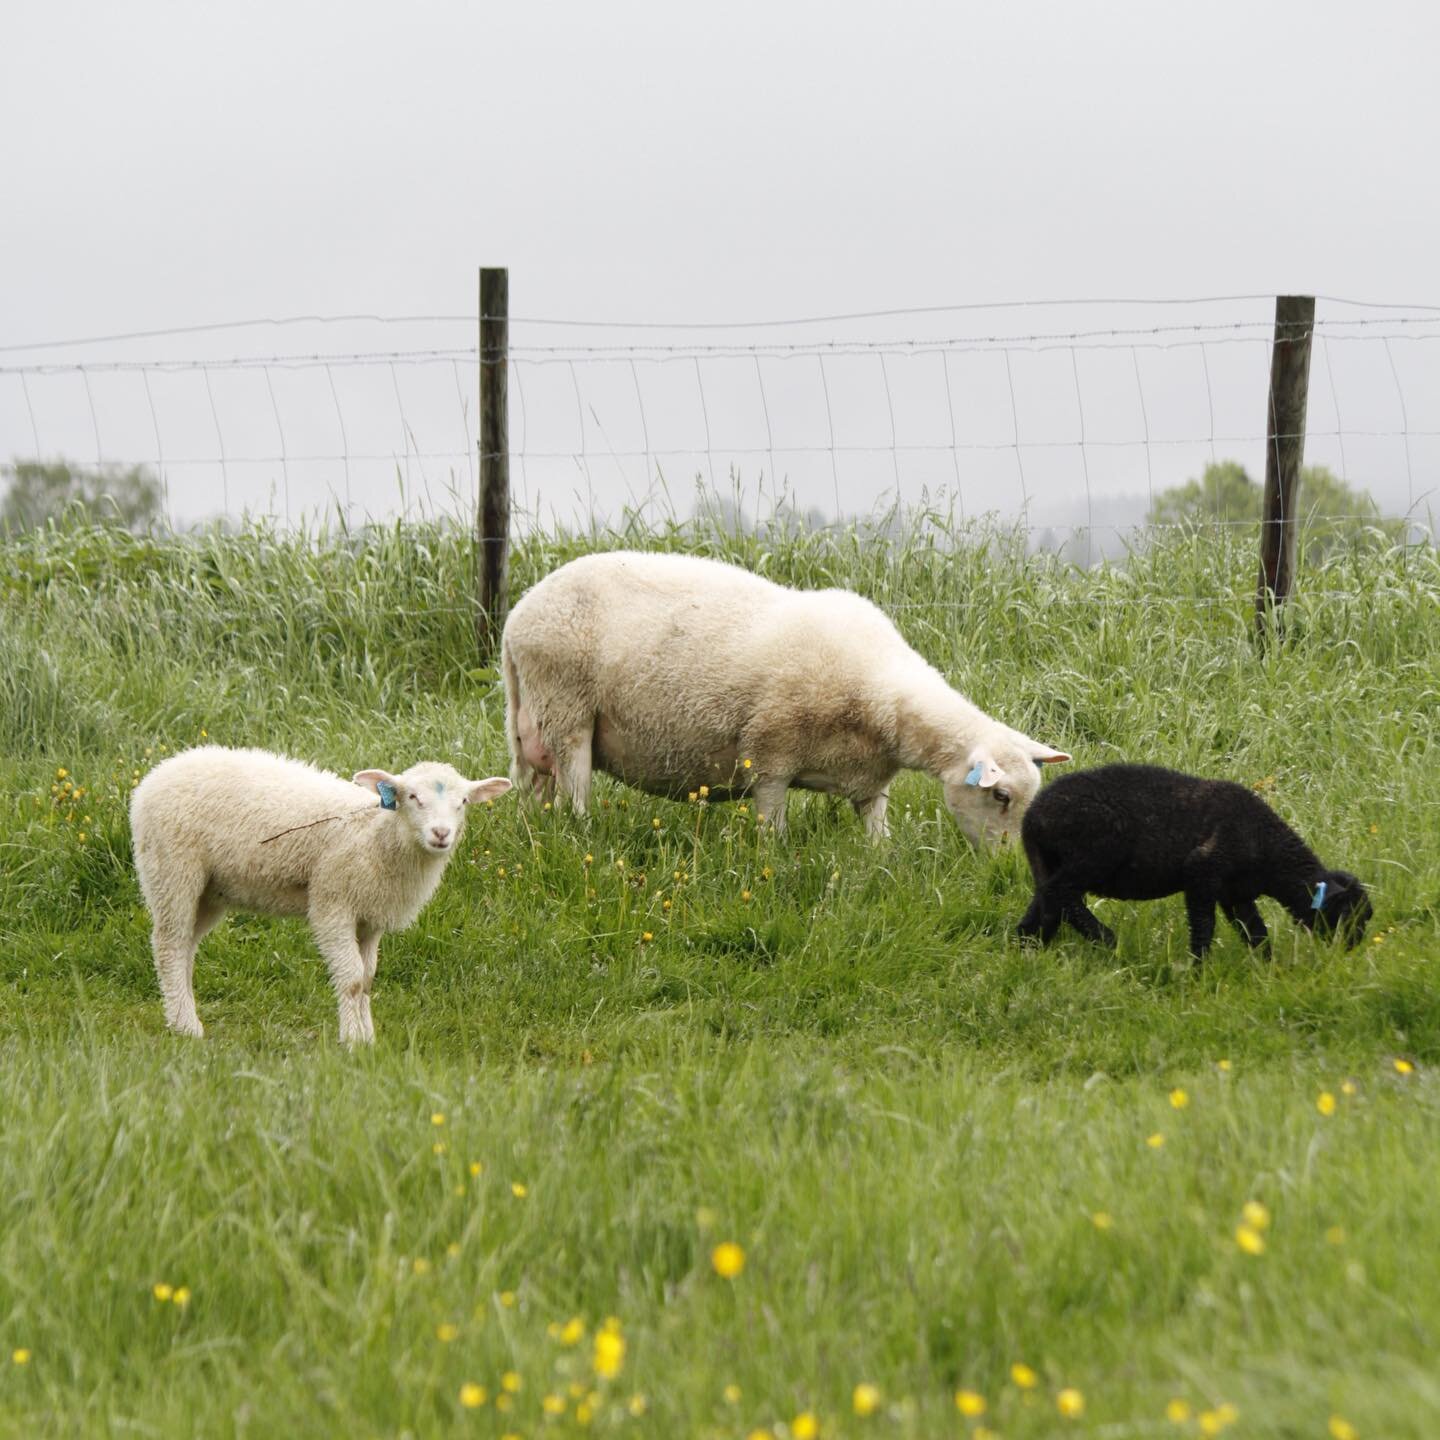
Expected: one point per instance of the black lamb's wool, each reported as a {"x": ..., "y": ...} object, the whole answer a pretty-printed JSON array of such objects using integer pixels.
[{"x": 1137, "y": 832}]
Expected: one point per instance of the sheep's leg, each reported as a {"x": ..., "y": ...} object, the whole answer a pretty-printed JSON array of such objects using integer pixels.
[
  {"x": 181, "y": 916},
  {"x": 1078, "y": 913},
  {"x": 872, "y": 812},
  {"x": 1247, "y": 920},
  {"x": 335, "y": 934},
  {"x": 573, "y": 764},
  {"x": 1200, "y": 909},
  {"x": 369, "y": 942},
  {"x": 1043, "y": 917},
  {"x": 768, "y": 793}
]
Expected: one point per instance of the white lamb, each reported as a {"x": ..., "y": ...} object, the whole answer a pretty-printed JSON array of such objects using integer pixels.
[
  {"x": 217, "y": 829},
  {"x": 671, "y": 672}
]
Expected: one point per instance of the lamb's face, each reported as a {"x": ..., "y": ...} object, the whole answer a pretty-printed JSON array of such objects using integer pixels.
[
  {"x": 431, "y": 799},
  {"x": 989, "y": 791},
  {"x": 1346, "y": 909}
]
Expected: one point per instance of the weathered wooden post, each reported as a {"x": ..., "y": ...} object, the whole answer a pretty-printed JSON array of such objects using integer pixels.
[
  {"x": 492, "y": 519},
  {"x": 1284, "y": 454}
]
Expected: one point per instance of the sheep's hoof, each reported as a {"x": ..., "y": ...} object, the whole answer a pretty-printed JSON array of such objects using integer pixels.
[{"x": 191, "y": 1027}]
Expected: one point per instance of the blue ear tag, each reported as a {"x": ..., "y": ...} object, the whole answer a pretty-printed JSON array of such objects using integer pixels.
[
  {"x": 973, "y": 778},
  {"x": 1319, "y": 900},
  {"x": 387, "y": 794}
]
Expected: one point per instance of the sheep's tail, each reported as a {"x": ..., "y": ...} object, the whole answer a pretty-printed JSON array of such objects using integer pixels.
[{"x": 520, "y": 772}]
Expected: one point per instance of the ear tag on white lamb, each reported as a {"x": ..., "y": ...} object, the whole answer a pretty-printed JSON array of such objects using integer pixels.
[
  {"x": 973, "y": 778},
  {"x": 1318, "y": 902},
  {"x": 387, "y": 794}
]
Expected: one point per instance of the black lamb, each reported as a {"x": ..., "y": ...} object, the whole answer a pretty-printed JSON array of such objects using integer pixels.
[{"x": 1137, "y": 832}]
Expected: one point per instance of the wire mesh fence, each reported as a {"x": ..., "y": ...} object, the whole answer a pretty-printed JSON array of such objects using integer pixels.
[{"x": 1068, "y": 419}]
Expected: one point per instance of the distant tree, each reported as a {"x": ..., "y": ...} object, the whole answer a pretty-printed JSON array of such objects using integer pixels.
[
  {"x": 37, "y": 491},
  {"x": 1223, "y": 492},
  {"x": 1330, "y": 511}
]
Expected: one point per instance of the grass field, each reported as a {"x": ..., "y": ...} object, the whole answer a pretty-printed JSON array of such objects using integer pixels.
[{"x": 612, "y": 1045}]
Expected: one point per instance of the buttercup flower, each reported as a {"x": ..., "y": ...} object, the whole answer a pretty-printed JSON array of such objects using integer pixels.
[{"x": 728, "y": 1259}]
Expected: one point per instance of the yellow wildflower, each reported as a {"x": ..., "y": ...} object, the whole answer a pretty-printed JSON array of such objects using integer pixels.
[
  {"x": 1404, "y": 1067},
  {"x": 553, "y": 1404},
  {"x": 732, "y": 1394},
  {"x": 1250, "y": 1240},
  {"x": 511, "y": 1382},
  {"x": 1179, "y": 1099},
  {"x": 573, "y": 1331},
  {"x": 1255, "y": 1215},
  {"x": 1335, "y": 1235},
  {"x": 507, "y": 1299},
  {"x": 438, "y": 1147},
  {"x": 473, "y": 1396},
  {"x": 728, "y": 1259},
  {"x": 1155, "y": 1141},
  {"x": 1342, "y": 1429},
  {"x": 970, "y": 1403},
  {"x": 1070, "y": 1403},
  {"x": 609, "y": 1354},
  {"x": 1210, "y": 1422},
  {"x": 866, "y": 1398},
  {"x": 746, "y": 764},
  {"x": 1325, "y": 1103},
  {"x": 646, "y": 937},
  {"x": 1102, "y": 1220},
  {"x": 804, "y": 1426},
  {"x": 584, "y": 1413},
  {"x": 420, "y": 1265},
  {"x": 20, "y": 1356},
  {"x": 181, "y": 1296},
  {"x": 446, "y": 1332},
  {"x": 1177, "y": 1412},
  {"x": 518, "y": 1190},
  {"x": 746, "y": 896},
  {"x": 1222, "y": 1065},
  {"x": 437, "y": 1118},
  {"x": 637, "y": 1405},
  {"x": 1349, "y": 1087},
  {"x": 162, "y": 1292},
  {"x": 1024, "y": 1376}
]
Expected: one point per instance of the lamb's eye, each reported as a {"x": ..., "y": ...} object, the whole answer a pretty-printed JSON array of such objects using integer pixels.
[
  {"x": 1002, "y": 797},
  {"x": 416, "y": 798}
]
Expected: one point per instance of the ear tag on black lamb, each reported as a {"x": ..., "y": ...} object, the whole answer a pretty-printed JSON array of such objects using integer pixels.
[
  {"x": 387, "y": 794},
  {"x": 1318, "y": 903}
]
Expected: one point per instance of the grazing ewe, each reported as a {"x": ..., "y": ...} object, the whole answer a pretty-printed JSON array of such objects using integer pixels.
[
  {"x": 1137, "y": 832},
  {"x": 672, "y": 672},
  {"x": 219, "y": 829}
]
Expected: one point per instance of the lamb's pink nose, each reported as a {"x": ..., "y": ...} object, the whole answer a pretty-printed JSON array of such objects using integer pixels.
[{"x": 440, "y": 834}]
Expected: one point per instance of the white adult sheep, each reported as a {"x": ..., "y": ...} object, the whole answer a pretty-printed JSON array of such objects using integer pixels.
[
  {"x": 217, "y": 829},
  {"x": 671, "y": 672}
]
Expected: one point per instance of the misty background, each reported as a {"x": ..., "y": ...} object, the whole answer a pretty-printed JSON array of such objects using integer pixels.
[{"x": 844, "y": 256}]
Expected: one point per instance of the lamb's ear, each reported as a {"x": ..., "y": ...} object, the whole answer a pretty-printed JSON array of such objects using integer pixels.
[
  {"x": 486, "y": 789},
  {"x": 1044, "y": 755},
  {"x": 373, "y": 779},
  {"x": 983, "y": 770},
  {"x": 1040, "y": 754}
]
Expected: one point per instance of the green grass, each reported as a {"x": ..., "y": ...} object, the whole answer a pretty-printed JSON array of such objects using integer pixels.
[{"x": 831, "y": 1053}]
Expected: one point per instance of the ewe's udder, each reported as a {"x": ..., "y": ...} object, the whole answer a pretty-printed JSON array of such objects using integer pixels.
[{"x": 532, "y": 748}]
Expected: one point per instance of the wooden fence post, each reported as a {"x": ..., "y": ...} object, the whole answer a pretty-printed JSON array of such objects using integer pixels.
[
  {"x": 1284, "y": 453},
  {"x": 492, "y": 519}
]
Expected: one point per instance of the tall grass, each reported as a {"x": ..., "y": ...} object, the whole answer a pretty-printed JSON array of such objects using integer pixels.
[{"x": 831, "y": 1053}]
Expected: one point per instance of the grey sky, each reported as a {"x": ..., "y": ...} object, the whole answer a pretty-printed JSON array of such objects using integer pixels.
[{"x": 170, "y": 164}]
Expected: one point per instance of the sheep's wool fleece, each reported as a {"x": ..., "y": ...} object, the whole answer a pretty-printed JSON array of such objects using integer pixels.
[
  {"x": 212, "y": 808},
  {"x": 685, "y": 665}
]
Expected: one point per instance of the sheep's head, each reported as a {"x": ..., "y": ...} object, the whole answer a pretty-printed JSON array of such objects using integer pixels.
[
  {"x": 431, "y": 799},
  {"x": 1344, "y": 908},
  {"x": 989, "y": 789}
]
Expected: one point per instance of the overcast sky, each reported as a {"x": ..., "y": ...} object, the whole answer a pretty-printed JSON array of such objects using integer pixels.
[{"x": 168, "y": 165}]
